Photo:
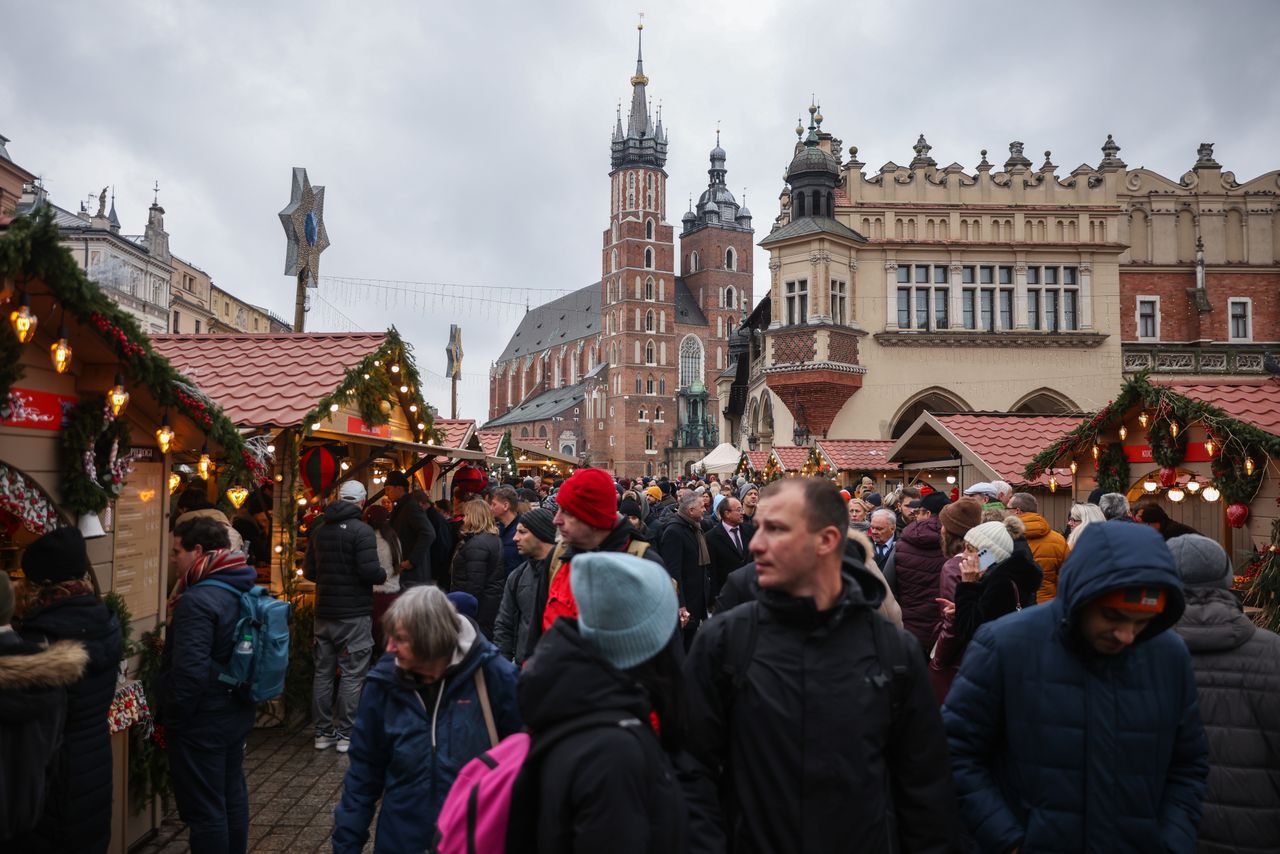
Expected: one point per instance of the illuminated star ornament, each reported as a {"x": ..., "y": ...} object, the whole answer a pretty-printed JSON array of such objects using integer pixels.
[{"x": 303, "y": 222}]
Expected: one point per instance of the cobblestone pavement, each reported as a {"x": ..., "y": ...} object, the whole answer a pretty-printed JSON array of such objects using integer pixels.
[{"x": 292, "y": 791}]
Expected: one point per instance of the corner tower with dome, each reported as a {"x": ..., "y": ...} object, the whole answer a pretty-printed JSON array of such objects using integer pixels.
[{"x": 622, "y": 373}]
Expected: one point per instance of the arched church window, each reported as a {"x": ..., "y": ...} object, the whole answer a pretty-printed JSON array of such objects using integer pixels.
[
  {"x": 730, "y": 298},
  {"x": 648, "y": 230},
  {"x": 649, "y": 352},
  {"x": 648, "y": 289},
  {"x": 730, "y": 259},
  {"x": 648, "y": 320},
  {"x": 648, "y": 259},
  {"x": 691, "y": 355}
]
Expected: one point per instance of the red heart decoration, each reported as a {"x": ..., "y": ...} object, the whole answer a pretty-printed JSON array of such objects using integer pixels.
[
  {"x": 1237, "y": 514},
  {"x": 1168, "y": 476}
]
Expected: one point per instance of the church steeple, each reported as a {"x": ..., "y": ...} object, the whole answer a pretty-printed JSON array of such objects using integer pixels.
[{"x": 643, "y": 144}]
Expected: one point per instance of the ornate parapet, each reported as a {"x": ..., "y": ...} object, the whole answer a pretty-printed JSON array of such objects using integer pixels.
[
  {"x": 1192, "y": 359},
  {"x": 959, "y": 338}
]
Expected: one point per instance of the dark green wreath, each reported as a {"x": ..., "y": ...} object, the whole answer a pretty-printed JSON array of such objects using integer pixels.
[
  {"x": 1236, "y": 486},
  {"x": 1113, "y": 469},
  {"x": 86, "y": 429},
  {"x": 1166, "y": 451}
]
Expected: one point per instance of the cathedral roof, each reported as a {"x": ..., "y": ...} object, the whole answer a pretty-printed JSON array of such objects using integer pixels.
[
  {"x": 577, "y": 315},
  {"x": 545, "y": 405}
]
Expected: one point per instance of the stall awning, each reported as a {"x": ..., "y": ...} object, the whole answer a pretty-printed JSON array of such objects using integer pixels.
[
  {"x": 857, "y": 454},
  {"x": 541, "y": 451},
  {"x": 998, "y": 445}
]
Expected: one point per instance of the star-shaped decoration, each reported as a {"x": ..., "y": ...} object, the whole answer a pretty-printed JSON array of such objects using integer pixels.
[{"x": 303, "y": 221}]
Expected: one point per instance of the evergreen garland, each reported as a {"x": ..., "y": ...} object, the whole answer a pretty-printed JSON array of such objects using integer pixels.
[
  {"x": 1113, "y": 469},
  {"x": 148, "y": 762},
  {"x": 94, "y": 447},
  {"x": 1264, "y": 586},
  {"x": 1166, "y": 451}
]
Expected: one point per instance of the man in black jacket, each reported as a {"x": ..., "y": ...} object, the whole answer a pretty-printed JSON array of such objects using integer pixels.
[
  {"x": 342, "y": 559},
  {"x": 728, "y": 543},
  {"x": 804, "y": 712},
  {"x": 683, "y": 547},
  {"x": 414, "y": 529}
]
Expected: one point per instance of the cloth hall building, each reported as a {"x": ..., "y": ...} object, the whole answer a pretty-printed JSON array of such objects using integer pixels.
[{"x": 623, "y": 372}]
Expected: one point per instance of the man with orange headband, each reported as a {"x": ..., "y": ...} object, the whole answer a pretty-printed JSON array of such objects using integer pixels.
[{"x": 1074, "y": 725}]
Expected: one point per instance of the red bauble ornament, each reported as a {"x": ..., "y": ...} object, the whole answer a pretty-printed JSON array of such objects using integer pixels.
[
  {"x": 318, "y": 469},
  {"x": 1168, "y": 476},
  {"x": 1237, "y": 514}
]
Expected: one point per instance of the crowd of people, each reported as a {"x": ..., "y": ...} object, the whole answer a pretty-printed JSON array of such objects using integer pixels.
[{"x": 704, "y": 666}]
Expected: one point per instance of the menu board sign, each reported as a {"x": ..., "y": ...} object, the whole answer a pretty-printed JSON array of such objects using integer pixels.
[{"x": 139, "y": 559}]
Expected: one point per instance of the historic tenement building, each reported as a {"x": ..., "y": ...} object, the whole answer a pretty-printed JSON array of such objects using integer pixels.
[
  {"x": 1011, "y": 288},
  {"x": 623, "y": 371}
]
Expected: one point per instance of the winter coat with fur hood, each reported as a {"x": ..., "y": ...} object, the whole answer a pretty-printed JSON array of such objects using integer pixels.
[{"x": 33, "y": 706}]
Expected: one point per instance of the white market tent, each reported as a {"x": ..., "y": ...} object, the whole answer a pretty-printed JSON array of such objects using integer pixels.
[{"x": 723, "y": 460}]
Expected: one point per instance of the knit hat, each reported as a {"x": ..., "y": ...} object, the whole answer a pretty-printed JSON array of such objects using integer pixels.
[
  {"x": 59, "y": 555},
  {"x": 873, "y": 498},
  {"x": 6, "y": 598},
  {"x": 377, "y": 515},
  {"x": 540, "y": 522},
  {"x": 1144, "y": 600},
  {"x": 959, "y": 516},
  {"x": 397, "y": 478},
  {"x": 588, "y": 494},
  {"x": 627, "y": 607},
  {"x": 654, "y": 493},
  {"x": 1200, "y": 561},
  {"x": 934, "y": 502},
  {"x": 464, "y": 603},
  {"x": 353, "y": 490},
  {"x": 629, "y": 507},
  {"x": 992, "y": 536},
  {"x": 746, "y": 489}
]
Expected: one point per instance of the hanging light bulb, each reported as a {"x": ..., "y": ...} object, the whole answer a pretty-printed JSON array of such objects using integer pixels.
[
  {"x": 1124, "y": 432},
  {"x": 1248, "y": 466},
  {"x": 1144, "y": 419},
  {"x": 175, "y": 480},
  {"x": 118, "y": 398},
  {"x": 1209, "y": 446},
  {"x": 404, "y": 389},
  {"x": 413, "y": 407},
  {"x": 1150, "y": 485},
  {"x": 1176, "y": 494},
  {"x": 236, "y": 495},
  {"x": 951, "y": 479},
  {"x": 1210, "y": 493},
  {"x": 366, "y": 376},
  {"x": 60, "y": 351},
  {"x": 1075, "y": 467},
  {"x": 1096, "y": 451},
  {"x": 333, "y": 407},
  {"x": 23, "y": 321},
  {"x": 205, "y": 466},
  {"x": 164, "y": 435},
  {"x": 302, "y": 502},
  {"x": 1053, "y": 484},
  {"x": 271, "y": 449},
  {"x": 395, "y": 369},
  {"x": 1173, "y": 428},
  {"x": 377, "y": 363},
  {"x": 1193, "y": 485},
  {"x": 279, "y": 549}
]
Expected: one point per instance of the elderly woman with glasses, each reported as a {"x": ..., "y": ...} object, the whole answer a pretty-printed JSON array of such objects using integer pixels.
[{"x": 1081, "y": 516}]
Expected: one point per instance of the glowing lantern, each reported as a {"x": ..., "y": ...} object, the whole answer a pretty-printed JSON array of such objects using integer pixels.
[
  {"x": 1074, "y": 467},
  {"x": 1150, "y": 485},
  {"x": 60, "y": 351},
  {"x": 205, "y": 466},
  {"x": 1173, "y": 428},
  {"x": 1248, "y": 466},
  {"x": 1210, "y": 493},
  {"x": 118, "y": 398},
  {"x": 1193, "y": 486},
  {"x": 1176, "y": 494},
  {"x": 23, "y": 321},
  {"x": 164, "y": 435},
  {"x": 236, "y": 495},
  {"x": 175, "y": 480},
  {"x": 1144, "y": 419},
  {"x": 1124, "y": 432}
]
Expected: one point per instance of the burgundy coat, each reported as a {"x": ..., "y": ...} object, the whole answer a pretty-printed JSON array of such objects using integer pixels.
[{"x": 918, "y": 563}]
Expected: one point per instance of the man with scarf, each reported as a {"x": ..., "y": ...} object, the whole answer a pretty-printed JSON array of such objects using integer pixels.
[
  {"x": 206, "y": 722},
  {"x": 684, "y": 551}
]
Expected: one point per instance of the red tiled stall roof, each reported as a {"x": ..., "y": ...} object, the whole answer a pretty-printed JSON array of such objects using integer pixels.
[
  {"x": 489, "y": 441},
  {"x": 859, "y": 454},
  {"x": 791, "y": 457},
  {"x": 1007, "y": 443},
  {"x": 455, "y": 431},
  {"x": 1253, "y": 401},
  {"x": 268, "y": 379},
  {"x": 757, "y": 460}
]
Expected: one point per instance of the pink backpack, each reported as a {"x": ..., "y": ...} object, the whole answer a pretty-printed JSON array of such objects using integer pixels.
[{"x": 478, "y": 809}]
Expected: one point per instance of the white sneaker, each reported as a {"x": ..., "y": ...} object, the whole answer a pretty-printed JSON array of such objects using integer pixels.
[
  {"x": 343, "y": 744},
  {"x": 327, "y": 739}
]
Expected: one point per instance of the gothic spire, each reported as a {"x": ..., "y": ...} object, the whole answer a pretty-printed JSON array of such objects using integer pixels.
[
  {"x": 642, "y": 143},
  {"x": 638, "y": 124}
]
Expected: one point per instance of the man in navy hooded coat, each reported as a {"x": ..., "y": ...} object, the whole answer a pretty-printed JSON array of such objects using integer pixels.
[{"x": 1074, "y": 725}]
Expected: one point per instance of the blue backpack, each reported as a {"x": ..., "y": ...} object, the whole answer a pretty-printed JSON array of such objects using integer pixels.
[{"x": 260, "y": 657}]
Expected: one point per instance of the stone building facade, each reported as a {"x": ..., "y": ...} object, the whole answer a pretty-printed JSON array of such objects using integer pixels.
[
  {"x": 622, "y": 373},
  {"x": 1008, "y": 289}
]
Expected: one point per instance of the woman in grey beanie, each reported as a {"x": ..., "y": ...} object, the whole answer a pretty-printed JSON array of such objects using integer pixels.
[{"x": 603, "y": 699}]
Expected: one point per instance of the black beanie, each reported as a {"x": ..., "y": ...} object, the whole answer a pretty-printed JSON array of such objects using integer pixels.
[
  {"x": 540, "y": 522},
  {"x": 59, "y": 555},
  {"x": 629, "y": 507}
]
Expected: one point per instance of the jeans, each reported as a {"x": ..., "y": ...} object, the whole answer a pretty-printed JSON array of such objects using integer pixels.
[
  {"x": 345, "y": 644},
  {"x": 207, "y": 768}
]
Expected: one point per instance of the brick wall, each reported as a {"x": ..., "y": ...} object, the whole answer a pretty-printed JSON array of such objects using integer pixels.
[
  {"x": 1179, "y": 319},
  {"x": 795, "y": 346}
]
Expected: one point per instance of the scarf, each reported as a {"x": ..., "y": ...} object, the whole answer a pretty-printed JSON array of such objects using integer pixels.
[
  {"x": 704, "y": 556},
  {"x": 208, "y": 564},
  {"x": 40, "y": 597}
]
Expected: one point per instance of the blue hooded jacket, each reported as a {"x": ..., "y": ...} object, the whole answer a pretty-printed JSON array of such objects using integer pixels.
[
  {"x": 1056, "y": 747},
  {"x": 409, "y": 754}
]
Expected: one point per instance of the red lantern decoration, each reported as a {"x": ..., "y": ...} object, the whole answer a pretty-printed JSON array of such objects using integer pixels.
[
  {"x": 1168, "y": 476},
  {"x": 1237, "y": 514},
  {"x": 318, "y": 469}
]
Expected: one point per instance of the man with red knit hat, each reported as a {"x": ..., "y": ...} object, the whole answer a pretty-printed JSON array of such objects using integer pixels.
[{"x": 586, "y": 520}]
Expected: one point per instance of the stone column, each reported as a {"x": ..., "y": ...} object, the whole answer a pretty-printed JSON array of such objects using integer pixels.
[
  {"x": 956, "y": 308},
  {"x": 891, "y": 295},
  {"x": 1019, "y": 294},
  {"x": 1086, "y": 295},
  {"x": 775, "y": 288}
]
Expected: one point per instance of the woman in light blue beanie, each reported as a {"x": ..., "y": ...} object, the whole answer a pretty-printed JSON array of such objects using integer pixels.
[{"x": 603, "y": 698}]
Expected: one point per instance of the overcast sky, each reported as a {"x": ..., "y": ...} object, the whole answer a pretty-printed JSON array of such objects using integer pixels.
[{"x": 468, "y": 143}]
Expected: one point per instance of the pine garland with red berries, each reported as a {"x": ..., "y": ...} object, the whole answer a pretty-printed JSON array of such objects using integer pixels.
[{"x": 1264, "y": 588}]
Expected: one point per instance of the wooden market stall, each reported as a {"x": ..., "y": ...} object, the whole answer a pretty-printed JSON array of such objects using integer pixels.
[
  {"x": 752, "y": 464},
  {"x": 958, "y": 450},
  {"x": 785, "y": 461},
  {"x": 92, "y": 421},
  {"x": 848, "y": 461},
  {"x": 1206, "y": 451}
]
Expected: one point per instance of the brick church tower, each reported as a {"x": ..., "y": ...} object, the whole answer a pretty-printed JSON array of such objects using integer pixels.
[{"x": 638, "y": 294}]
